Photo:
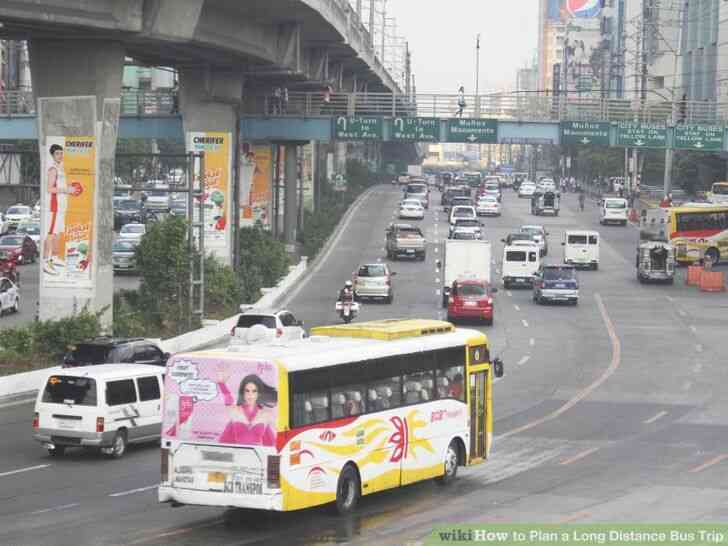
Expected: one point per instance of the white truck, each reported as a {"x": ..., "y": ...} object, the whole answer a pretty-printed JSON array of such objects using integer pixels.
[{"x": 464, "y": 258}]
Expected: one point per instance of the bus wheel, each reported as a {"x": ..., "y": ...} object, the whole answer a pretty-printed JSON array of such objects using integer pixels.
[
  {"x": 347, "y": 490},
  {"x": 451, "y": 464}
]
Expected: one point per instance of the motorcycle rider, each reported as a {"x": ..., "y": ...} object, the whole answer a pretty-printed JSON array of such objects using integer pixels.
[{"x": 347, "y": 293}]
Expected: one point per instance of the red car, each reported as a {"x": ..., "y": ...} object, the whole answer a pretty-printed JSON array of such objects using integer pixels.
[
  {"x": 20, "y": 247},
  {"x": 471, "y": 299},
  {"x": 8, "y": 266}
]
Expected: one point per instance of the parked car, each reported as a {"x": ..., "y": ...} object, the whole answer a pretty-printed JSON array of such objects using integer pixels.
[
  {"x": 22, "y": 247},
  {"x": 374, "y": 281},
  {"x": 556, "y": 283},
  {"x": 31, "y": 229},
  {"x": 108, "y": 350},
  {"x": 471, "y": 299},
  {"x": 132, "y": 232},
  {"x": 17, "y": 214},
  {"x": 107, "y": 407},
  {"x": 9, "y": 296},
  {"x": 123, "y": 255},
  {"x": 255, "y": 326}
]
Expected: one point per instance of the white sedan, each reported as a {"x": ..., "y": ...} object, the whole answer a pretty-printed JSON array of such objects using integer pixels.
[
  {"x": 132, "y": 232},
  {"x": 527, "y": 189},
  {"x": 488, "y": 206},
  {"x": 411, "y": 211},
  {"x": 9, "y": 297}
]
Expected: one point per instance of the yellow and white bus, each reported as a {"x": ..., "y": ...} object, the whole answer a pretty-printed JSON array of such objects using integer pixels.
[
  {"x": 696, "y": 230},
  {"x": 352, "y": 410}
]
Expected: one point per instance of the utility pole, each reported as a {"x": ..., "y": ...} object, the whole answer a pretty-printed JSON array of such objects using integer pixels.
[
  {"x": 384, "y": 29},
  {"x": 667, "y": 180},
  {"x": 477, "y": 92}
]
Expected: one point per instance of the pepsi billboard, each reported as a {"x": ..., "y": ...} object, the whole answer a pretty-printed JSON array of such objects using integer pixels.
[
  {"x": 553, "y": 10},
  {"x": 584, "y": 9}
]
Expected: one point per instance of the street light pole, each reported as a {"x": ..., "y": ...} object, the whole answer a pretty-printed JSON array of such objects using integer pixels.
[
  {"x": 667, "y": 181},
  {"x": 477, "y": 92}
]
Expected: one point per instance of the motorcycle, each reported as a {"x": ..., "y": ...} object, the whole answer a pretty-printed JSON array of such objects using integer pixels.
[{"x": 347, "y": 310}]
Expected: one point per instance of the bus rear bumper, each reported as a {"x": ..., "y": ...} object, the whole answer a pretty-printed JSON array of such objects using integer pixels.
[{"x": 216, "y": 498}]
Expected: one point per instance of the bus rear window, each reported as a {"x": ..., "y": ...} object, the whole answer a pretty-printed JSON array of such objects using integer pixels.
[
  {"x": 65, "y": 389},
  {"x": 616, "y": 205}
]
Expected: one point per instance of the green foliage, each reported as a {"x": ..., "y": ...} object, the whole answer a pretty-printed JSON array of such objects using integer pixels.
[
  {"x": 42, "y": 343},
  {"x": 222, "y": 289},
  {"x": 696, "y": 171},
  {"x": 128, "y": 320},
  {"x": 263, "y": 262}
]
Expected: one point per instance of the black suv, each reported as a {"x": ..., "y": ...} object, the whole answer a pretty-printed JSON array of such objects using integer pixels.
[{"x": 107, "y": 350}]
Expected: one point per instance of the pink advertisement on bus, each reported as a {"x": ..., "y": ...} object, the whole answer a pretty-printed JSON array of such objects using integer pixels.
[{"x": 218, "y": 400}]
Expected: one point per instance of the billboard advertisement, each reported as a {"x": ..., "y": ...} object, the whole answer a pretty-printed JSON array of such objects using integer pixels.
[
  {"x": 68, "y": 186},
  {"x": 223, "y": 401},
  {"x": 584, "y": 9},
  {"x": 256, "y": 184},
  {"x": 216, "y": 190},
  {"x": 553, "y": 10}
]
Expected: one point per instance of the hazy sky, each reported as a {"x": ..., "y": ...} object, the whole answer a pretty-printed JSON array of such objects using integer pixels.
[{"x": 441, "y": 37}]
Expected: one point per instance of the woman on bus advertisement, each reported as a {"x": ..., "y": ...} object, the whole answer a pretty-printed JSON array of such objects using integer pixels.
[
  {"x": 68, "y": 210},
  {"x": 200, "y": 402}
]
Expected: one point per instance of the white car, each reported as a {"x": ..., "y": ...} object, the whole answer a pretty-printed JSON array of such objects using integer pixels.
[
  {"x": 547, "y": 184},
  {"x": 462, "y": 212},
  {"x": 132, "y": 232},
  {"x": 265, "y": 326},
  {"x": 527, "y": 189},
  {"x": 539, "y": 234},
  {"x": 17, "y": 214},
  {"x": 411, "y": 211},
  {"x": 466, "y": 225},
  {"x": 488, "y": 206},
  {"x": 9, "y": 297}
]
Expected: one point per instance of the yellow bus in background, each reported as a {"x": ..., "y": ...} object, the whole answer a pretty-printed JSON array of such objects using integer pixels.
[{"x": 352, "y": 410}]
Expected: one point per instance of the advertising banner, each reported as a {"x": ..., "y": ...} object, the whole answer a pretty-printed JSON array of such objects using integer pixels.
[
  {"x": 68, "y": 186},
  {"x": 256, "y": 181},
  {"x": 216, "y": 189},
  {"x": 222, "y": 401}
]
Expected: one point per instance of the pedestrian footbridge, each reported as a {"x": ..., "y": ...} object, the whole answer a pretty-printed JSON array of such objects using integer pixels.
[{"x": 515, "y": 118}]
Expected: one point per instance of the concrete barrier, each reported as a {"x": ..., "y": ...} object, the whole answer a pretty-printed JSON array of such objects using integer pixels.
[{"x": 27, "y": 383}]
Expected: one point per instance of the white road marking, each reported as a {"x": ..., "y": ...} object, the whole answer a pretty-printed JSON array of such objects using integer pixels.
[
  {"x": 651, "y": 420},
  {"x": 693, "y": 329},
  {"x": 697, "y": 368},
  {"x": 437, "y": 250},
  {"x": 682, "y": 313},
  {"x": 532, "y": 342},
  {"x": 510, "y": 294},
  {"x": 134, "y": 491},
  {"x": 524, "y": 360},
  {"x": 699, "y": 348},
  {"x": 525, "y": 323},
  {"x": 55, "y": 509},
  {"x": 437, "y": 280},
  {"x": 26, "y": 469},
  {"x": 379, "y": 260},
  {"x": 517, "y": 308},
  {"x": 670, "y": 299},
  {"x": 437, "y": 292}
]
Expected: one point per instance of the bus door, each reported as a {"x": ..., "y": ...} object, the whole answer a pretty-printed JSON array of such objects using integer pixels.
[{"x": 478, "y": 381}]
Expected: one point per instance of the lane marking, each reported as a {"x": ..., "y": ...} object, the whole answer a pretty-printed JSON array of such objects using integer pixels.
[
  {"x": 709, "y": 463},
  {"x": 670, "y": 299},
  {"x": 517, "y": 308},
  {"x": 579, "y": 456},
  {"x": 437, "y": 280},
  {"x": 134, "y": 491},
  {"x": 524, "y": 360},
  {"x": 693, "y": 329},
  {"x": 437, "y": 250},
  {"x": 379, "y": 260},
  {"x": 682, "y": 313},
  {"x": 510, "y": 294},
  {"x": 21, "y": 470},
  {"x": 437, "y": 292},
  {"x": 651, "y": 420},
  {"x": 608, "y": 372},
  {"x": 532, "y": 342},
  {"x": 699, "y": 348},
  {"x": 54, "y": 509},
  {"x": 525, "y": 323}
]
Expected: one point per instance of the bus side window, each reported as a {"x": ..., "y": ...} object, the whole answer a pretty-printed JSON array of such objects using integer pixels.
[
  {"x": 320, "y": 405},
  {"x": 337, "y": 405}
]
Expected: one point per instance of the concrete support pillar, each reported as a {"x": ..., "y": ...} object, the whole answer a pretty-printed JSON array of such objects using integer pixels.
[
  {"x": 78, "y": 87},
  {"x": 209, "y": 103},
  {"x": 290, "y": 214}
]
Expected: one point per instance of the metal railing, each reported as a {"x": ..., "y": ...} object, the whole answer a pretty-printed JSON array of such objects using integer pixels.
[{"x": 504, "y": 106}]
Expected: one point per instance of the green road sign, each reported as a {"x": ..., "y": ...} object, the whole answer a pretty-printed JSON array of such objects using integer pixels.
[
  {"x": 585, "y": 132},
  {"x": 641, "y": 135},
  {"x": 416, "y": 129},
  {"x": 472, "y": 131},
  {"x": 357, "y": 128},
  {"x": 708, "y": 138}
]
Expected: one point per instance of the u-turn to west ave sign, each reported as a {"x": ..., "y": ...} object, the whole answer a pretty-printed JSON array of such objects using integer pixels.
[{"x": 629, "y": 134}]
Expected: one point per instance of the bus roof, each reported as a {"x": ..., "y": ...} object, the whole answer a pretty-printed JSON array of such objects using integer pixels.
[
  {"x": 322, "y": 351},
  {"x": 385, "y": 330},
  {"x": 702, "y": 207}
]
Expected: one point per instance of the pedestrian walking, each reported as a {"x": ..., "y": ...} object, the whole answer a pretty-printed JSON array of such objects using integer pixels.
[
  {"x": 276, "y": 100},
  {"x": 461, "y": 102}
]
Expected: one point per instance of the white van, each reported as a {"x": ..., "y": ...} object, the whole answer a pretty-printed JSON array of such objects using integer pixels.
[
  {"x": 106, "y": 406},
  {"x": 520, "y": 264},
  {"x": 613, "y": 209},
  {"x": 581, "y": 248}
]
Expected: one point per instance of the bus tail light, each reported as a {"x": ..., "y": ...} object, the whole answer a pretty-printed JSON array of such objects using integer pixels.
[
  {"x": 99, "y": 424},
  {"x": 36, "y": 420},
  {"x": 274, "y": 472},
  {"x": 164, "y": 465}
]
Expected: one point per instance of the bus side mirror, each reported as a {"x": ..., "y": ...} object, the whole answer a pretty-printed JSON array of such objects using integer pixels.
[{"x": 498, "y": 367}]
